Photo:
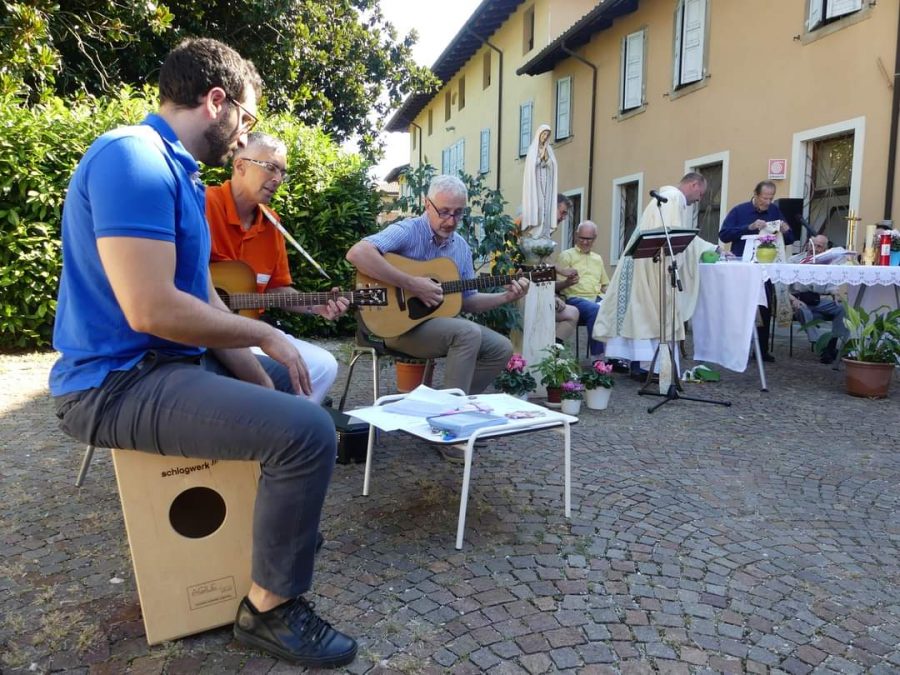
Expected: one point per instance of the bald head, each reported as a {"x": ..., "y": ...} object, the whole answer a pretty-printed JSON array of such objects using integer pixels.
[{"x": 818, "y": 244}]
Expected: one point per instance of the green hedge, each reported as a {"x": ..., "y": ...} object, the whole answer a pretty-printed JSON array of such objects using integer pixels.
[{"x": 328, "y": 205}]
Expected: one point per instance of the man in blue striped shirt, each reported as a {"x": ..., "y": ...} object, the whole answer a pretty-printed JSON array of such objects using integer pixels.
[{"x": 474, "y": 353}]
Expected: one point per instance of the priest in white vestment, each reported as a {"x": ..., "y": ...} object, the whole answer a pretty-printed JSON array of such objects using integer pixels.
[{"x": 628, "y": 320}]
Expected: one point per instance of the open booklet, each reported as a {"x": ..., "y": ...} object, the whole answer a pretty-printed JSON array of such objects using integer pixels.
[{"x": 427, "y": 402}]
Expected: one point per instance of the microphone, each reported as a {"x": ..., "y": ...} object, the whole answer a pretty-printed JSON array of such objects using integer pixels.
[{"x": 658, "y": 197}]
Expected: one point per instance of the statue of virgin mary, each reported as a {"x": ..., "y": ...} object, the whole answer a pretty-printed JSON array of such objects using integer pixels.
[{"x": 539, "y": 187}]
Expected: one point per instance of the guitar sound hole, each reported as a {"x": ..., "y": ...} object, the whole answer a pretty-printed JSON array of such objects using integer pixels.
[{"x": 416, "y": 309}]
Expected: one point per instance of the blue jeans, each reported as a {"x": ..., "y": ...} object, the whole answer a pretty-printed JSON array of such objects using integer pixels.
[
  {"x": 188, "y": 408},
  {"x": 826, "y": 309},
  {"x": 587, "y": 315}
]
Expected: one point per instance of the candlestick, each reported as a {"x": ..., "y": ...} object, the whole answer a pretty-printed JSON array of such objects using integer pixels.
[{"x": 851, "y": 218}]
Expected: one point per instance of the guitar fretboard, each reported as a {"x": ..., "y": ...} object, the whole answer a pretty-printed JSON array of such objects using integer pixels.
[
  {"x": 237, "y": 301},
  {"x": 485, "y": 282}
]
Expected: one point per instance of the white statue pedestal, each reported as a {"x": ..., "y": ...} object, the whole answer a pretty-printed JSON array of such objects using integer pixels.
[{"x": 538, "y": 309}]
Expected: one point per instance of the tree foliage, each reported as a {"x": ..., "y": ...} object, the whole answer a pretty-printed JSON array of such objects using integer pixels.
[
  {"x": 328, "y": 205},
  {"x": 335, "y": 63}
]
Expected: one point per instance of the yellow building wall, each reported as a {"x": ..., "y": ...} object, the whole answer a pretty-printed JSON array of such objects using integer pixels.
[
  {"x": 551, "y": 17},
  {"x": 765, "y": 84}
]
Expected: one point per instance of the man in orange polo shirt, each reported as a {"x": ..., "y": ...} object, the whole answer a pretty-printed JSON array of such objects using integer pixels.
[{"x": 243, "y": 228}]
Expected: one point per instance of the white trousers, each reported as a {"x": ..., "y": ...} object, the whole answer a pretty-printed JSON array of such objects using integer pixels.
[{"x": 321, "y": 364}]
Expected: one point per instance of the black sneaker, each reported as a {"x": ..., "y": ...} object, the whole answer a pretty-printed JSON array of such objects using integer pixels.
[{"x": 292, "y": 631}]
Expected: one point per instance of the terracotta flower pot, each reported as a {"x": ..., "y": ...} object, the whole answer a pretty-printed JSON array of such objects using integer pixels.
[
  {"x": 409, "y": 375},
  {"x": 554, "y": 394},
  {"x": 871, "y": 380}
]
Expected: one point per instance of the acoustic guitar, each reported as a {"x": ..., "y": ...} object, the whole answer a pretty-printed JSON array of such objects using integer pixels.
[
  {"x": 235, "y": 282},
  {"x": 401, "y": 313}
]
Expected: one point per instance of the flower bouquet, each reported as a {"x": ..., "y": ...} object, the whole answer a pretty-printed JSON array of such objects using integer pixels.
[{"x": 515, "y": 379}]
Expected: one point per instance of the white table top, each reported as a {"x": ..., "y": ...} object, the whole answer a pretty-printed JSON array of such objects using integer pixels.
[{"x": 495, "y": 404}]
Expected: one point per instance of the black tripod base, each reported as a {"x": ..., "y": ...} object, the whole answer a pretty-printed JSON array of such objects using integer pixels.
[{"x": 673, "y": 395}]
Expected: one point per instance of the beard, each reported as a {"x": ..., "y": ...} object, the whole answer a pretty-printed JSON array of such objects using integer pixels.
[{"x": 219, "y": 143}]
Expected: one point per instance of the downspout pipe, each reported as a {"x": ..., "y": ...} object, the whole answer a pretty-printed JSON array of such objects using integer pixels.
[
  {"x": 485, "y": 41},
  {"x": 413, "y": 124},
  {"x": 590, "y": 185},
  {"x": 892, "y": 147}
]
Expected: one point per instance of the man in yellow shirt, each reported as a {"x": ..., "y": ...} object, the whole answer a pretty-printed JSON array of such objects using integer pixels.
[{"x": 585, "y": 279}]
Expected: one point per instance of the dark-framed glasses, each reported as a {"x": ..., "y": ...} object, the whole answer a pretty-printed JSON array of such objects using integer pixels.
[
  {"x": 270, "y": 167},
  {"x": 248, "y": 119},
  {"x": 446, "y": 214}
]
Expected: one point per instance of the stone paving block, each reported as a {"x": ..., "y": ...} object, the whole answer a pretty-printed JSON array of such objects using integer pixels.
[{"x": 714, "y": 550}]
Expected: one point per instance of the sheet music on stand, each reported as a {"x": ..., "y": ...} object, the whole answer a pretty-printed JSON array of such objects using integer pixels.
[{"x": 650, "y": 241}]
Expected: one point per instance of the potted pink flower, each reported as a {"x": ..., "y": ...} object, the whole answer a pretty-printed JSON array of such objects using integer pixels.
[
  {"x": 515, "y": 380},
  {"x": 572, "y": 393},
  {"x": 765, "y": 249},
  {"x": 598, "y": 382}
]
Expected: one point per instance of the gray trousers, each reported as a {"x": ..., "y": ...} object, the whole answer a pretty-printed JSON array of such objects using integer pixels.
[
  {"x": 475, "y": 354},
  {"x": 193, "y": 408}
]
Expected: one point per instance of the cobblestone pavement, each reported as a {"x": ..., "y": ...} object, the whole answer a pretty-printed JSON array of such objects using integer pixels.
[{"x": 759, "y": 538}]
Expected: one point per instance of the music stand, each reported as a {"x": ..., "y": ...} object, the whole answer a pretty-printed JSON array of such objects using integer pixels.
[{"x": 657, "y": 244}]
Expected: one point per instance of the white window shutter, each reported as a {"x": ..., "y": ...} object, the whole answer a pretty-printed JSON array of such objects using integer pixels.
[
  {"x": 484, "y": 163},
  {"x": 633, "y": 71},
  {"x": 524, "y": 128},
  {"x": 835, "y": 8},
  {"x": 679, "y": 21},
  {"x": 814, "y": 19},
  {"x": 563, "y": 107},
  {"x": 461, "y": 156},
  {"x": 445, "y": 161},
  {"x": 693, "y": 36}
]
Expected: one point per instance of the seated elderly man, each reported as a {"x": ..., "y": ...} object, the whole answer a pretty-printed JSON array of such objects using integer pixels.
[
  {"x": 808, "y": 303},
  {"x": 585, "y": 279}
]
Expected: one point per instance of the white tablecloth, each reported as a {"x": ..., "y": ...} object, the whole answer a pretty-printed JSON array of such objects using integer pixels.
[
  {"x": 725, "y": 318},
  {"x": 869, "y": 286},
  {"x": 853, "y": 275}
]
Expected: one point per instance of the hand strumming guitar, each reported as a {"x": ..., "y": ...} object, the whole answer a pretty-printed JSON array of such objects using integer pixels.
[{"x": 426, "y": 289}]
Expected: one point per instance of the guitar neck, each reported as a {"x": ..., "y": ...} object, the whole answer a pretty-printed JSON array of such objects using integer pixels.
[
  {"x": 238, "y": 301},
  {"x": 482, "y": 282}
]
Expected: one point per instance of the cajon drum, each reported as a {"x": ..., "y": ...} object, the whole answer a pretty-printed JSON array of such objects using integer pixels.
[{"x": 189, "y": 524}]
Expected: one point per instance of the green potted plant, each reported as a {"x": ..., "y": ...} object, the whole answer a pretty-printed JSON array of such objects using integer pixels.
[
  {"x": 558, "y": 366},
  {"x": 871, "y": 352},
  {"x": 598, "y": 382},
  {"x": 515, "y": 380},
  {"x": 571, "y": 395},
  {"x": 765, "y": 250}
]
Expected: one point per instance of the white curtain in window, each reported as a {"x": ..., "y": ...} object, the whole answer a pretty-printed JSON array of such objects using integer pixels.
[
  {"x": 835, "y": 8},
  {"x": 693, "y": 35},
  {"x": 632, "y": 70},
  {"x": 563, "y": 107}
]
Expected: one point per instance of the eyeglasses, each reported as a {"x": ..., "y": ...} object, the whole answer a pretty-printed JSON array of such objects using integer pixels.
[
  {"x": 445, "y": 214},
  {"x": 271, "y": 168},
  {"x": 249, "y": 120},
  {"x": 586, "y": 238}
]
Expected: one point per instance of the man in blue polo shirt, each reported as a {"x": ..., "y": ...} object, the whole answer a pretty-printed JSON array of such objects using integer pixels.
[
  {"x": 475, "y": 354},
  {"x": 751, "y": 218},
  {"x": 152, "y": 360}
]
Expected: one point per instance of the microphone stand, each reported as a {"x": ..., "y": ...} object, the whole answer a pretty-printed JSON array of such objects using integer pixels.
[{"x": 671, "y": 393}]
